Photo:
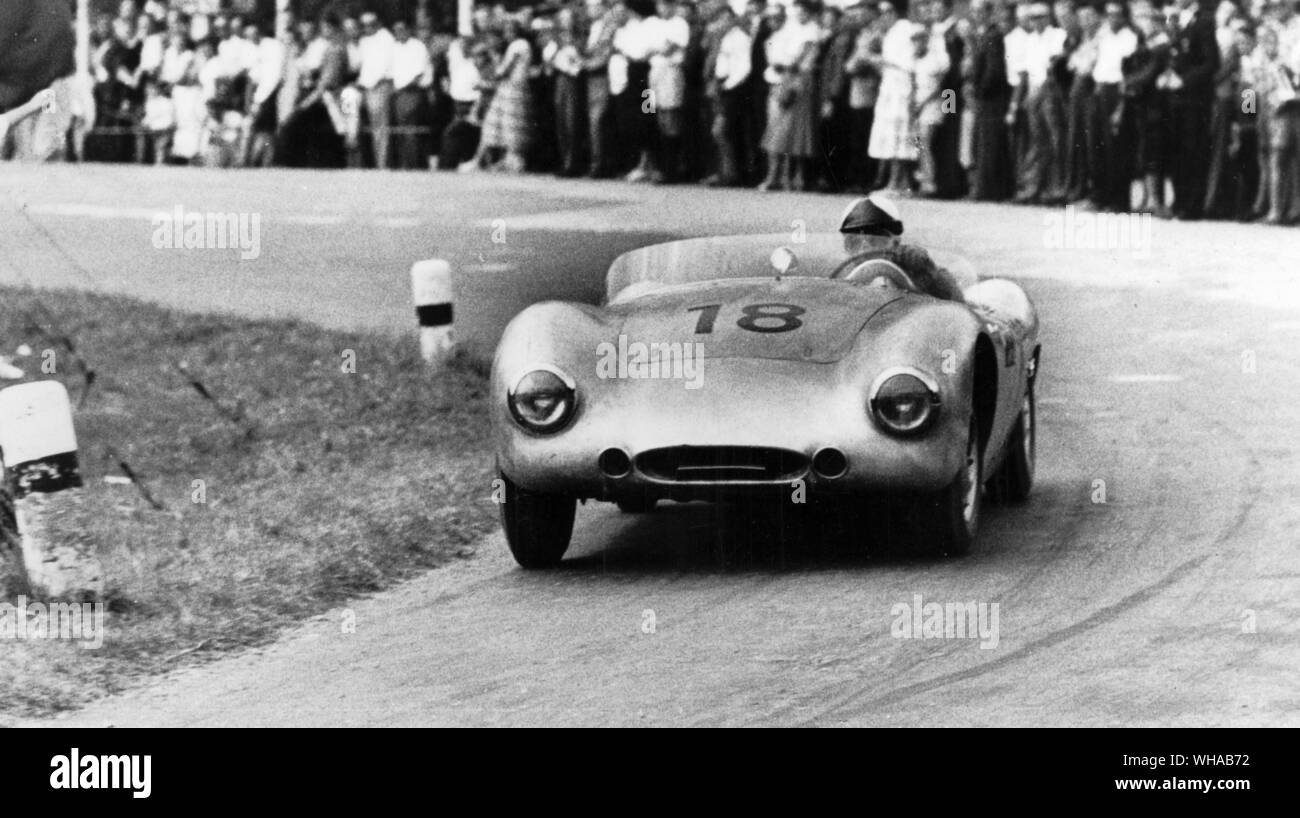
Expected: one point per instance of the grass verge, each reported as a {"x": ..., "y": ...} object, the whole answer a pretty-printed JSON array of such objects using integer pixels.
[{"x": 319, "y": 483}]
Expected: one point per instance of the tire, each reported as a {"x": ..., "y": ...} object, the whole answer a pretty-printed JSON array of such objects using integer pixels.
[
  {"x": 954, "y": 513},
  {"x": 538, "y": 526},
  {"x": 1015, "y": 477},
  {"x": 637, "y": 504}
]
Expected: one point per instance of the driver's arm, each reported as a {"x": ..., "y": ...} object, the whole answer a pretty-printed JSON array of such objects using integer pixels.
[{"x": 929, "y": 277}]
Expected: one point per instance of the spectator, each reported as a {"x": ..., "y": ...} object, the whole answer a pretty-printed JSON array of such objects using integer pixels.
[
  {"x": 1243, "y": 145},
  {"x": 949, "y": 180},
  {"x": 37, "y": 54},
  {"x": 1115, "y": 43},
  {"x": 1220, "y": 183},
  {"x": 1044, "y": 176},
  {"x": 991, "y": 96},
  {"x": 1146, "y": 102},
  {"x": 894, "y": 137},
  {"x": 1194, "y": 62},
  {"x": 669, "y": 35},
  {"x": 863, "y": 72},
  {"x": 605, "y": 21},
  {"x": 1016, "y": 43},
  {"x": 508, "y": 123},
  {"x": 629, "y": 84},
  {"x": 730, "y": 88},
  {"x": 1276, "y": 84},
  {"x": 265, "y": 76},
  {"x": 839, "y": 34},
  {"x": 1080, "y": 140},
  {"x": 312, "y": 134},
  {"x": 927, "y": 106},
  {"x": 376, "y": 54},
  {"x": 564, "y": 60},
  {"x": 412, "y": 76},
  {"x": 789, "y": 140}
]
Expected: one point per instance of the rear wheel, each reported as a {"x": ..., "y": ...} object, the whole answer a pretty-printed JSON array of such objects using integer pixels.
[
  {"x": 953, "y": 514},
  {"x": 1015, "y": 478},
  {"x": 538, "y": 526}
]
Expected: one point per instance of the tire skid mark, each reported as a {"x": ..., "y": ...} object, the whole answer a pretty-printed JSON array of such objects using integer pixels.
[{"x": 1097, "y": 618}]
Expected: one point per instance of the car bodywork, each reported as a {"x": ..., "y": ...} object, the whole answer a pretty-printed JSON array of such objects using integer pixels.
[{"x": 746, "y": 377}]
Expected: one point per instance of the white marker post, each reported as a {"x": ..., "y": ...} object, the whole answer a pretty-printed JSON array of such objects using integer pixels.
[
  {"x": 38, "y": 472},
  {"x": 431, "y": 285}
]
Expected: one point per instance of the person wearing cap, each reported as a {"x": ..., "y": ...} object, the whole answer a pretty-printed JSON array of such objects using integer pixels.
[
  {"x": 1044, "y": 175},
  {"x": 871, "y": 227}
]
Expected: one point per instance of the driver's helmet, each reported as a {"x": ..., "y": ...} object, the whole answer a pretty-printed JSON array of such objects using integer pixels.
[{"x": 873, "y": 215}]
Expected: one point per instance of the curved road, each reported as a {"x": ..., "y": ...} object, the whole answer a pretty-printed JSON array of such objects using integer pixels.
[{"x": 1151, "y": 580}]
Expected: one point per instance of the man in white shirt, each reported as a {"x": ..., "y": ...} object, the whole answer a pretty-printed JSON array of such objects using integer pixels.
[
  {"x": 265, "y": 78},
  {"x": 670, "y": 35},
  {"x": 1115, "y": 42},
  {"x": 313, "y": 52},
  {"x": 412, "y": 75},
  {"x": 1017, "y": 131},
  {"x": 377, "y": 50},
  {"x": 629, "y": 81},
  {"x": 1044, "y": 46},
  {"x": 731, "y": 72}
]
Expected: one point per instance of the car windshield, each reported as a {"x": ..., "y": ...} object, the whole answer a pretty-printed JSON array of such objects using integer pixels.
[{"x": 683, "y": 262}]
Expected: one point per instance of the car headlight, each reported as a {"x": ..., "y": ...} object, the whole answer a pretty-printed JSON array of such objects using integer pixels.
[
  {"x": 543, "y": 400},
  {"x": 904, "y": 400}
]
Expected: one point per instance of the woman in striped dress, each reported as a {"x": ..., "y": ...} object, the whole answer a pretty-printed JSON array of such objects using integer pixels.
[{"x": 509, "y": 122}]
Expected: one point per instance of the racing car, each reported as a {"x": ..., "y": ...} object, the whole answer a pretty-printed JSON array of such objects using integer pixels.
[{"x": 734, "y": 367}]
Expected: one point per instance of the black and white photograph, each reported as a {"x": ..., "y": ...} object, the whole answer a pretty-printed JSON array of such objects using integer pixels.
[{"x": 651, "y": 363}]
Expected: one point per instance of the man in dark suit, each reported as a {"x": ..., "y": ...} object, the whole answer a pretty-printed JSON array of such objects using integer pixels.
[
  {"x": 1195, "y": 61},
  {"x": 949, "y": 180},
  {"x": 992, "y": 95},
  {"x": 761, "y": 23}
]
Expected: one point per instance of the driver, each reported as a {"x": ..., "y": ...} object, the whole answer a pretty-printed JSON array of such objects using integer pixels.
[{"x": 871, "y": 227}]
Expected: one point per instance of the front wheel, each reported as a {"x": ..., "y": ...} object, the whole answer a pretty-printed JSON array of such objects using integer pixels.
[
  {"x": 953, "y": 515},
  {"x": 1015, "y": 478},
  {"x": 538, "y": 526}
]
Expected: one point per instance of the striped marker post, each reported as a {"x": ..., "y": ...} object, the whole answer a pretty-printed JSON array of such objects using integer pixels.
[
  {"x": 38, "y": 474},
  {"x": 431, "y": 285}
]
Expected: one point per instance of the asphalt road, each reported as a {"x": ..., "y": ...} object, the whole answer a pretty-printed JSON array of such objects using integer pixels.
[{"x": 1170, "y": 375}]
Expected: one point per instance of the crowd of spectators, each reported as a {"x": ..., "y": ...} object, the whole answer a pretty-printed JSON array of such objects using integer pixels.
[{"x": 1188, "y": 110}]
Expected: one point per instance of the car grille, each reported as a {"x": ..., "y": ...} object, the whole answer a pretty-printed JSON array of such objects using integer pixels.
[{"x": 721, "y": 464}]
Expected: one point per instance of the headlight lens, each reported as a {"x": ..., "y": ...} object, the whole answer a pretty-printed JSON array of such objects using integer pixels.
[
  {"x": 543, "y": 400},
  {"x": 904, "y": 403}
]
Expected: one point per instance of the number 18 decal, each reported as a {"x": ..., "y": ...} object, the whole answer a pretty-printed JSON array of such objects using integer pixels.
[{"x": 754, "y": 317}]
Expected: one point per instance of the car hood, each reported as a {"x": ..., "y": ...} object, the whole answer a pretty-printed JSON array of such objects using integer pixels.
[{"x": 814, "y": 320}]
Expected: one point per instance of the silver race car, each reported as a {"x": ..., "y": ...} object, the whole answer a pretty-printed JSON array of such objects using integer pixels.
[{"x": 749, "y": 366}]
